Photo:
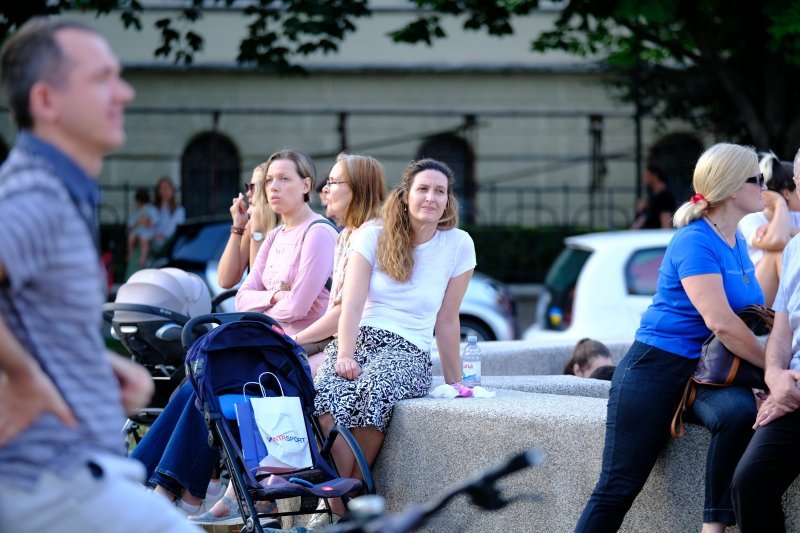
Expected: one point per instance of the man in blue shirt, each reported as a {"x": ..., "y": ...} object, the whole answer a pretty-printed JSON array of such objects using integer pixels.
[{"x": 62, "y": 395}]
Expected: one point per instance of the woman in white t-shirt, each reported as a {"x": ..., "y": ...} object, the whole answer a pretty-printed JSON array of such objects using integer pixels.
[
  {"x": 767, "y": 232},
  {"x": 404, "y": 282}
]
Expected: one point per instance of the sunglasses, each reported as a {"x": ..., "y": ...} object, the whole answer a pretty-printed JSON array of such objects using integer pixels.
[
  {"x": 249, "y": 187},
  {"x": 758, "y": 180}
]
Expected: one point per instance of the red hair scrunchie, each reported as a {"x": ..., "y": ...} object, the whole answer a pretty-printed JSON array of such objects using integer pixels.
[{"x": 696, "y": 198}]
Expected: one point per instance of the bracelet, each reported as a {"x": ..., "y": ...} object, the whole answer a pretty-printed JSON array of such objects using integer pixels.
[{"x": 237, "y": 231}]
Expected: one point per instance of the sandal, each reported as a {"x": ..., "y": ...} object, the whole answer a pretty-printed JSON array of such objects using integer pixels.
[{"x": 233, "y": 517}]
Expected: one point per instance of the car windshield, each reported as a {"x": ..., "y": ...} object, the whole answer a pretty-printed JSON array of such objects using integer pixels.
[
  {"x": 560, "y": 283},
  {"x": 566, "y": 268}
]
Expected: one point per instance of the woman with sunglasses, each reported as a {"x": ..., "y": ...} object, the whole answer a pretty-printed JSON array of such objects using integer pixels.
[
  {"x": 251, "y": 221},
  {"x": 706, "y": 275},
  {"x": 768, "y": 232}
]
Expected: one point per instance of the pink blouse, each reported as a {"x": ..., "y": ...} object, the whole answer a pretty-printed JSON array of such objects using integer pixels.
[{"x": 297, "y": 262}]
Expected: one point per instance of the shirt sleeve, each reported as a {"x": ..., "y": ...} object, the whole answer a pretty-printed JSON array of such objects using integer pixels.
[
  {"x": 366, "y": 243},
  {"x": 693, "y": 254},
  {"x": 782, "y": 298},
  {"x": 314, "y": 268},
  {"x": 26, "y": 233},
  {"x": 465, "y": 255},
  {"x": 252, "y": 296}
]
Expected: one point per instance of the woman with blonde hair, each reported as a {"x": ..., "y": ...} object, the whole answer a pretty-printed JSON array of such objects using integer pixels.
[
  {"x": 706, "y": 276},
  {"x": 252, "y": 219},
  {"x": 404, "y": 282}
]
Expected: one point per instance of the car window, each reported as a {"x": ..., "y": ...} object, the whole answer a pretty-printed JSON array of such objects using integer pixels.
[
  {"x": 641, "y": 271},
  {"x": 201, "y": 246}
]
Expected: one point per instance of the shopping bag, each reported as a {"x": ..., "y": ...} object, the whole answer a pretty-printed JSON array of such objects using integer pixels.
[
  {"x": 253, "y": 447},
  {"x": 282, "y": 427}
]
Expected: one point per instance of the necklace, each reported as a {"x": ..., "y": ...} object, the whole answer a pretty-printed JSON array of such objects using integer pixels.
[{"x": 735, "y": 245}]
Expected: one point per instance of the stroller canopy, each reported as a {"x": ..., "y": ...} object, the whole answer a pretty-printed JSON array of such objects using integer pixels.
[{"x": 167, "y": 288}]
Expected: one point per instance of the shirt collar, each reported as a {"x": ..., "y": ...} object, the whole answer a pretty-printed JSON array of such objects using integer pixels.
[{"x": 80, "y": 185}]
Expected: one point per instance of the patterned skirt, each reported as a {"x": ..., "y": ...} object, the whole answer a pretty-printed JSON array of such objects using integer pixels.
[{"x": 392, "y": 369}]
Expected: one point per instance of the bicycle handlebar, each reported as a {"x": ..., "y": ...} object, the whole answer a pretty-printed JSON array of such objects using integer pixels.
[{"x": 481, "y": 489}]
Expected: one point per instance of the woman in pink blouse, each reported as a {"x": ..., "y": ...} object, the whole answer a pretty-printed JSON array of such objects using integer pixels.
[
  {"x": 288, "y": 283},
  {"x": 288, "y": 278}
]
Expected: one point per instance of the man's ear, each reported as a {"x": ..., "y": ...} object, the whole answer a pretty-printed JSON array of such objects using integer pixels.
[{"x": 41, "y": 104}]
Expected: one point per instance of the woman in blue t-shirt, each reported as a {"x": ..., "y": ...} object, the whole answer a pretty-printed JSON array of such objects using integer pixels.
[{"x": 705, "y": 277}]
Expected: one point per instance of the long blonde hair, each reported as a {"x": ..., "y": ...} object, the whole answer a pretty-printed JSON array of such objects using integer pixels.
[
  {"x": 396, "y": 242},
  {"x": 719, "y": 173},
  {"x": 261, "y": 204}
]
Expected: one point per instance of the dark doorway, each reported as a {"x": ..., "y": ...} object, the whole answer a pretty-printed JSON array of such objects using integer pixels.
[
  {"x": 458, "y": 154},
  {"x": 210, "y": 174}
]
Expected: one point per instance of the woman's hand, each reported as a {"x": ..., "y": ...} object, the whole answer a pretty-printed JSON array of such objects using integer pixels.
[
  {"x": 347, "y": 368},
  {"x": 239, "y": 211}
]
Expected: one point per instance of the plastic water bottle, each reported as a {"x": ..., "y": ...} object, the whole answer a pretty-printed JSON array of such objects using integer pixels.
[{"x": 471, "y": 363}]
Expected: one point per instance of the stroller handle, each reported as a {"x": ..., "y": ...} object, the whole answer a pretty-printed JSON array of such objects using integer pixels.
[{"x": 188, "y": 335}]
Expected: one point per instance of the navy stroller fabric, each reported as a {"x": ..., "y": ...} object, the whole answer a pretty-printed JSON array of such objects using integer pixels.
[{"x": 223, "y": 360}]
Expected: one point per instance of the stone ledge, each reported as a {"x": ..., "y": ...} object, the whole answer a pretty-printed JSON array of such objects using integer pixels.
[{"x": 433, "y": 443}]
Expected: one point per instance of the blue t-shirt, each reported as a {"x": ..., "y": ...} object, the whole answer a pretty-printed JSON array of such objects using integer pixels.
[{"x": 672, "y": 323}]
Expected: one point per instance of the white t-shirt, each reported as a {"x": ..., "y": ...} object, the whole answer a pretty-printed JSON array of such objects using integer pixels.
[
  {"x": 409, "y": 309},
  {"x": 750, "y": 223}
]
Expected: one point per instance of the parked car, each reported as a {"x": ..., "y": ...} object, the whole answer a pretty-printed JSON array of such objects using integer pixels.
[
  {"x": 600, "y": 286},
  {"x": 487, "y": 311}
]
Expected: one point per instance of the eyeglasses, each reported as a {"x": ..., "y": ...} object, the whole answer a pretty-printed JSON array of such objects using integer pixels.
[
  {"x": 332, "y": 182},
  {"x": 249, "y": 187},
  {"x": 758, "y": 180}
]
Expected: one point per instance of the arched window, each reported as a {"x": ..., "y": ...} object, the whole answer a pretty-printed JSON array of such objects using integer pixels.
[
  {"x": 210, "y": 174},
  {"x": 458, "y": 154}
]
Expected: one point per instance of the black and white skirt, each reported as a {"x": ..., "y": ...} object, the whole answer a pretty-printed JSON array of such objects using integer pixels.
[{"x": 393, "y": 369}]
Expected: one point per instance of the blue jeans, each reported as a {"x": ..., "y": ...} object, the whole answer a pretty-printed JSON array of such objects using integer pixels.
[
  {"x": 175, "y": 451},
  {"x": 729, "y": 413},
  {"x": 645, "y": 392}
]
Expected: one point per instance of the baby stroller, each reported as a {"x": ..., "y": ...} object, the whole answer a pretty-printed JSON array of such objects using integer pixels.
[
  {"x": 147, "y": 317},
  {"x": 239, "y": 351}
]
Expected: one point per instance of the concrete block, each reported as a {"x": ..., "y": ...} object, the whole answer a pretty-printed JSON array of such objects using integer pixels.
[
  {"x": 433, "y": 443},
  {"x": 528, "y": 358}
]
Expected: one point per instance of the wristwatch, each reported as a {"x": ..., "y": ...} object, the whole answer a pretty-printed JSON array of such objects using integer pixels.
[{"x": 258, "y": 236}]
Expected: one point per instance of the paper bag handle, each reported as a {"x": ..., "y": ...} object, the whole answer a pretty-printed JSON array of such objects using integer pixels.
[
  {"x": 276, "y": 379},
  {"x": 260, "y": 386}
]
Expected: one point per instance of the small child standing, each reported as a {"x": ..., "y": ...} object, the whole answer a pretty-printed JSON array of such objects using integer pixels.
[{"x": 142, "y": 224}]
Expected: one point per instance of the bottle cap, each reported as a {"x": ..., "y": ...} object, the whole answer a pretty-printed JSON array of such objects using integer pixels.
[{"x": 472, "y": 338}]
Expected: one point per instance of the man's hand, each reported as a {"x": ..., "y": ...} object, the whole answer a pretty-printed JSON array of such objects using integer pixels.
[
  {"x": 135, "y": 383},
  {"x": 784, "y": 396},
  {"x": 26, "y": 397}
]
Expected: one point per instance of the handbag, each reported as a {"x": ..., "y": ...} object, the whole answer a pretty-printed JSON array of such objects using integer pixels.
[
  {"x": 282, "y": 427},
  {"x": 719, "y": 367}
]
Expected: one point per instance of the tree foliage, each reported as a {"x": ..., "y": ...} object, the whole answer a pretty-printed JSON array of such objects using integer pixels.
[
  {"x": 277, "y": 31},
  {"x": 730, "y": 67}
]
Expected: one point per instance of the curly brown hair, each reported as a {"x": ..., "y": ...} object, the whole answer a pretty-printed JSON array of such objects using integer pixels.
[{"x": 396, "y": 242}]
